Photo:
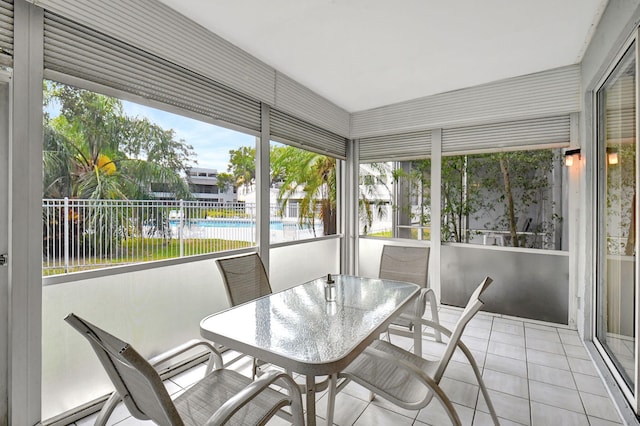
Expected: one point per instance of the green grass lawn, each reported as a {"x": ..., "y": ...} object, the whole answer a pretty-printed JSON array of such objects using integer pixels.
[{"x": 138, "y": 250}]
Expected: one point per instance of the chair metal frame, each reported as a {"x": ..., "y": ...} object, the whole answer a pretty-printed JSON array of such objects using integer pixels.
[
  {"x": 382, "y": 362},
  {"x": 140, "y": 387},
  {"x": 245, "y": 279},
  {"x": 411, "y": 264}
]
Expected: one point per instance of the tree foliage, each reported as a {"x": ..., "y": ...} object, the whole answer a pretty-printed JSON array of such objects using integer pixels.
[
  {"x": 502, "y": 191},
  {"x": 92, "y": 149},
  {"x": 310, "y": 174},
  {"x": 242, "y": 165}
]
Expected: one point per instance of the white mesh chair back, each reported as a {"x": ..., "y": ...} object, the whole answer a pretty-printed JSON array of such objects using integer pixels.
[
  {"x": 473, "y": 306},
  {"x": 134, "y": 378},
  {"x": 244, "y": 277},
  {"x": 409, "y": 264}
]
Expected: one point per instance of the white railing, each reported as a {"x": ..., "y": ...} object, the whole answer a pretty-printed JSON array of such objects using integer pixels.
[{"x": 89, "y": 234}]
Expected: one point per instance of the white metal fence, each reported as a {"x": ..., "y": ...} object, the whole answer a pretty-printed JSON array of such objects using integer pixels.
[{"x": 88, "y": 234}]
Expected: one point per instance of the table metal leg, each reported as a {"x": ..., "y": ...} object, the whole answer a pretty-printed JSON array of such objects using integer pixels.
[
  {"x": 331, "y": 398},
  {"x": 311, "y": 400}
]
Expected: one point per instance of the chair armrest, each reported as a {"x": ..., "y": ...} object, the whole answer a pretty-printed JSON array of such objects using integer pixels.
[
  {"x": 421, "y": 375},
  {"x": 461, "y": 344},
  {"x": 239, "y": 400},
  {"x": 436, "y": 326},
  {"x": 185, "y": 347}
]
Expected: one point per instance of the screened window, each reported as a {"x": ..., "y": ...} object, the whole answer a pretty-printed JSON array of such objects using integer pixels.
[
  {"x": 121, "y": 186},
  {"x": 508, "y": 198},
  {"x": 303, "y": 194}
]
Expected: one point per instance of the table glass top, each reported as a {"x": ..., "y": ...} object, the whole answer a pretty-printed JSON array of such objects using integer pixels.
[{"x": 301, "y": 325}]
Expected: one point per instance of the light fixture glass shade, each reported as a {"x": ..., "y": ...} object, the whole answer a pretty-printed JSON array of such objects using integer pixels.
[
  {"x": 568, "y": 160},
  {"x": 612, "y": 158}
]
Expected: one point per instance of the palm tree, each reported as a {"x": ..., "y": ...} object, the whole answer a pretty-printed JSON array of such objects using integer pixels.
[
  {"x": 310, "y": 174},
  {"x": 93, "y": 150}
]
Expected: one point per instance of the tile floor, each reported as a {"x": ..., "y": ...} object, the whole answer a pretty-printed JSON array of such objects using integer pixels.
[{"x": 536, "y": 374}]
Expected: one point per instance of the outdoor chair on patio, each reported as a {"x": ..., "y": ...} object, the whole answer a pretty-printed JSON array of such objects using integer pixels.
[
  {"x": 245, "y": 279},
  {"x": 410, "y": 264},
  {"x": 408, "y": 380},
  {"x": 221, "y": 397}
]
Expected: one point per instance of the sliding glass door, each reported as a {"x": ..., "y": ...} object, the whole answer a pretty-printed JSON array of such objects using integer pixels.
[{"x": 616, "y": 306}]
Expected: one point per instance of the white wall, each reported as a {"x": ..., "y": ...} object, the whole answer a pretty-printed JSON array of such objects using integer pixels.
[{"x": 154, "y": 309}]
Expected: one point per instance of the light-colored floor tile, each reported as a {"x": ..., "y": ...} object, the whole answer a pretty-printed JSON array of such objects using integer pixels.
[
  {"x": 545, "y": 415},
  {"x": 570, "y": 337},
  {"x": 552, "y": 376},
  {"x": 556, "y": 396},
  {"x": 461, "y": 371},
  {"x": 590, "y": 384},
  {"x": 383, "y": 403},
  {"x": 460, "y": 392},
  {"x": 576, "y": 352},
  {"x": 535, "y": 328},
  {"x": 507, "y": 338},
  {"x": 484, "y": 419},
  {"x": 347, "y": 409},
  {"x": 479, "y": 356},
  {"x": 506, "y": 365},
  {"x": 600, "y": 407},
  {"x": 582, "y": 366},
  {"x": 506, "y": 383},
  {"x": 357, "y": 391},
  {"x": 546, "y": 358},
  {"x": 172, "y": 387},
  {"x": 507, "y": 350},
  {"x": 545, "y": 345},
  {"x": 378, "y": 416},
  {"x": 563, "y": 385},
  {"x": 434, "y": 414},
  {"x": 278, "y": 421},
  {"x": 475, "y": 343},
  {"x": 507, "y": 406},
  {"x": 132, "y": 421},
  {"x": 594, "y": 421},
  {"x": 478, "y": 332},
  {"x": 515, "y": 329}
]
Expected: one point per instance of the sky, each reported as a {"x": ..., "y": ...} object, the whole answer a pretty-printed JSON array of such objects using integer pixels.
[{"x": 211, "y": 143}]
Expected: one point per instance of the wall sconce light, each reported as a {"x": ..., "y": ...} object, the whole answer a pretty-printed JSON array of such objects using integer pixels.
[
  {"x": 612, "y": 156},
  {"x": 570, "y": 155}
]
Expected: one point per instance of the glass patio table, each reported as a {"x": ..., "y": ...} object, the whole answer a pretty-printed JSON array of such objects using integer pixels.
[{"x": 300, "y": 331}]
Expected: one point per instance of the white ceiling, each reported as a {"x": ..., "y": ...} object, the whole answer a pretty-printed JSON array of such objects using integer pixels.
[{"x": 362, "y": 54}]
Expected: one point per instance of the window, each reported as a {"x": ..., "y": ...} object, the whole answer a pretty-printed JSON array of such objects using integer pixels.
[
  {"x": 509, "y": 198},
  {"x": 616, "y": 306},
  {"x": 121, "y": 186},
  {"x": 375, "y": 199},
  {"x": 302, "y": 194}
]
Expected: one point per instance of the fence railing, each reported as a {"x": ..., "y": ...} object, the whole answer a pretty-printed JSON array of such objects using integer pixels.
[{"x": 89, "y": 234}]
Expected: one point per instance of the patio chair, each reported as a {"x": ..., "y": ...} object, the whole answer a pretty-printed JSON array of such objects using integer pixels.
[
  {"x": 410, "y": 264},
  {"x": 221, "y": 397},
  {"x": 245, "y": 279},
  {"x": 408, "y": 380}
]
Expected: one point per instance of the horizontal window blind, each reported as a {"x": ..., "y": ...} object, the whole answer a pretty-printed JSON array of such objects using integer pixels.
[
  {"x": 406, "y": 146},
  {"x": 6, "y": 32},
  {"x": 545, "y": 94},
  {"x": 620, "y": 111},
  {"x": 293, "y": 131},
  {"x": 549, "y": 131},
  {"x": 78, "y": 51}
]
